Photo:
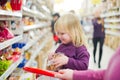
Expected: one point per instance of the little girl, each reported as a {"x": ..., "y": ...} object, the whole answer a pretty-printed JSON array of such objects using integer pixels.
[
  {"x": 73, "y": 44},
  {"x": 112, "y": 72}
]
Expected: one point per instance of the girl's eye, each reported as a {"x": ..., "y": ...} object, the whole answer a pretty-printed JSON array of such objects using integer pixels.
[{"x": 62, "y": 33}]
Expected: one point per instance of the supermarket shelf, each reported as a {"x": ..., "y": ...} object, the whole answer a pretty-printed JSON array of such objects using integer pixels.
[
  {"x": 45, "y": 11},
  {"x": 12, "y": 18},
  {"x": 112, "y": 20},
  {"x": 10, "y": 13},
  {"x": 112, "y": 26},
  {"x": 39, "y": 4},
  {"x": 27, "y": 11},
  {"x": 110, "y": 14},
  {"x": 113, "y": 33},
  {"x": 29, "y": 44},
  {"x": 11, "y": 69},
  {"x": 10, "y": 42},
  {"x": 115, "y": 7},
  {"x": 33, "y": 13},
  {"x": 40, "y": 14},
  {"x": 40, "y": 25},
  {"x": 33, "y": 56}
]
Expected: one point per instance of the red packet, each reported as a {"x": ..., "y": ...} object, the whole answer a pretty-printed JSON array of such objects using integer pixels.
[{"x": 40, "y": 71}]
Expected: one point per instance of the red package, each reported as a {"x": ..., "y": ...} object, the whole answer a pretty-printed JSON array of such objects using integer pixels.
[
  {"x": 40, "y": 71},
  {"x": 6, "y": 34},
  {"x": 55, "y": 37},
  {"x": 16, "y": 4}
]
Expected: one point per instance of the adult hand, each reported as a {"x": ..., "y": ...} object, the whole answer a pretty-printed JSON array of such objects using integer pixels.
[{"x": 66, "y": 74}]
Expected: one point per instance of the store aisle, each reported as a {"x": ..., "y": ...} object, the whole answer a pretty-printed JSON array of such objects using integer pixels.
[{"x": 107, "y": 53}]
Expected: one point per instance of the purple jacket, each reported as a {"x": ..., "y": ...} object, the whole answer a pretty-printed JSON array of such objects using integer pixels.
[
  {"x": 111, "y": 73},
  {"x": 78, "y": 56},
  {"x": 97, "y": 29}
]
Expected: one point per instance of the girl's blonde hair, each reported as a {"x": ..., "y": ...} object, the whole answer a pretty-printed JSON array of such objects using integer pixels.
[{"x": 71, "y": 25}]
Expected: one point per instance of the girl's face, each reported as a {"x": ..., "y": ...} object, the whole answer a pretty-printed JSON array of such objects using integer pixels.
[{"x": 64, "y": 37}]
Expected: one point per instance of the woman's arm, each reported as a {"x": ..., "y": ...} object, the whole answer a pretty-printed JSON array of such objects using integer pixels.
[
  {"x": 88, "y": 75},
  {"x": 68, "y": 74}
]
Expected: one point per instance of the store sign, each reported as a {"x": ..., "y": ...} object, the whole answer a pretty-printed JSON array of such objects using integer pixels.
[
  {"x": 96, "y": 2},
  {"x": 59, "y": 1}
]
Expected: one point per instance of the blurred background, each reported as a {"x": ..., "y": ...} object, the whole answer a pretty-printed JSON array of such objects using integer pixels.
[{"x": 26, "y": 38}]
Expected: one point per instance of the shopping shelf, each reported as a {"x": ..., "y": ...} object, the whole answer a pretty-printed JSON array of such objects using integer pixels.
[{"x": 10, "y": 42}]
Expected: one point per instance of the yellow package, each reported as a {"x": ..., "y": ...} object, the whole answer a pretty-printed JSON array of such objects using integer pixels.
[{"x": 8, "y": 6}]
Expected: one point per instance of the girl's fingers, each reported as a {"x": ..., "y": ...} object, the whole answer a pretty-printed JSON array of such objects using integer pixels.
[
  {"x": 58, "y": 65},
  {"x": 50, "y": 56}
]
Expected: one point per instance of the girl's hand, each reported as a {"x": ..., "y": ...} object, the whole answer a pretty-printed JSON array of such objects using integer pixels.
[
  {"x": 59, "y": 61},
  {"x": 50, "y": 56},
  {"x": 65, "y": 74}
]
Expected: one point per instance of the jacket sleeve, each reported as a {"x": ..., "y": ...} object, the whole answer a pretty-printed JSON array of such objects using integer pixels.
[
  {"x": 81, "y": 61},
  {"x": 89, "y": 75}
]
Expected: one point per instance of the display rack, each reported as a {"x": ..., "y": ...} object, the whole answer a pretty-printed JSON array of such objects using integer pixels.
[
  {"x": 110, "y": 14},
  {"x": 31, "y": 43},
  {"x": 9, "y": 15},
  {"x": 33, "y": 56},
  {"x": 112, "y": 33},
  {"x": 42, "y": 25},
  {"x": 11, "y": 69},
  {"x": 112, "y": 26},
  {"x": 32, "y": 13},
  {"x": 10, "y": 42}
]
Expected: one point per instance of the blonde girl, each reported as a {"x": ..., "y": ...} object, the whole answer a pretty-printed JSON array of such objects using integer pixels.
[{"x": 73, "y": 44}]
